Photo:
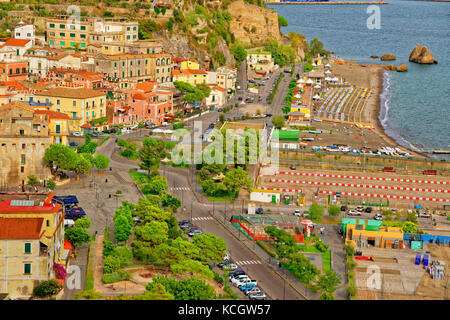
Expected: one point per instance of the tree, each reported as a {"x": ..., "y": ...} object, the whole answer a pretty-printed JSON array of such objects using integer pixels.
[
  {"x": 334, "y": 210},
  {"x": 316, "y": 212},
  {"x": 122, "y": 228},
  {"x": 409, "y": 227},
  {"x": 349, "y": 250},
  {"x": 46, "y": 288},
  {"x": 222, "y": 118},
  {"x": 157, "y": 185},
  {"x": 111, "y": 264},
  {"x": 329, "y": 281},
  {"x": 81, "y": 166},
  {"x": 237, "y": 179},
  {"x": 158, "y": 292},
  {"x": 278, "y": 122},
  {"x": 239, "y": 52},
  {"x": 51, "y": 184},
  {"x": 153, "y": 232},
  {"x": 60, "y": 156},
  {"x": 211, "y": 248},
  {"x": 151, "y": 153},
  {"x": 88, "y": 146},
  {"x": 326, "y": 296},
  {"x": 77, "y": 236},
  {"x": 282, "y": 22},
  {"x": 83, "y": 223},
  {"x": 124, "y": 254},
  {"x": 186, "y": 289},
  {"x": 32, "y": 180},
  {"x": 101, "y": 162},
  {"x": 167, "y": 200}
]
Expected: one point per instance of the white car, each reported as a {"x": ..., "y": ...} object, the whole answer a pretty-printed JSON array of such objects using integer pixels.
[
  {"x": 246, "y": 281},
  {"x": 378, "y": 217},
  {"x": 77, "y": 134},
  {"x": 423, "y": 214},
  {"x": 353, "y": 213},
  {"x": 252, "y": 290},
  {"x": 230, "y": 266},
  {"x": 240, "y": 278},
  {"x": 297, "y": 213}
]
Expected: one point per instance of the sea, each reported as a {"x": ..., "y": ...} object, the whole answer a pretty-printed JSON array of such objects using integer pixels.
[{"x": 415, "y": 105}]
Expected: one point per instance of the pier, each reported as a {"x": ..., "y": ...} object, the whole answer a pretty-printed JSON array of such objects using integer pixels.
[{"x": 329, "y": 2}]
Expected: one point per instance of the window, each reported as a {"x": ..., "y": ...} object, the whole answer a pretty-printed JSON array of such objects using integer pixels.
[
  {"x": 82, "y": 36},
  {"x": 128, "y": 37},
  {"x": 22, "y": 169},
  {"x": 93, "y": 113},
  {"x": 83, "y": 45},
  {"x": 23, "y": 145},
  {"x": 72, "y": 35},
  {"x": 72, "y": 27},
  {"x": 27, "y": 268},
  {"x": 58, "y": 102},
  {"x": 62, "y": 43},
  {"x": 74, "y": 115},
  {"x": 22, "y": 132},
  {"x": 58, "y": 128},
  {"x": 52, "y": 25},
  {"x": 48, "y": 223},
  {"x": 27, "y": 247},
  {"x": 115, "y": 65},
  {"x": 72, "y": 44},
  {"x": 62, "y": 26},
  {"x": 62, "y": 34},
  {"x": 74, "y": 103},
  {"x": 83, "y": 28}
]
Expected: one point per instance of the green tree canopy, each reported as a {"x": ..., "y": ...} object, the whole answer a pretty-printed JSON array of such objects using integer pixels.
[
  {"x": 316, "y": 212},
  {"x": 211, "y": 248},
  {"x": 282, "y": 22},
  {"x": 239, "y": 52},
  {"x": 278, "y": 122},
  {"x": 153, "y": 232},
  {"x": 329, "y": 282},
  {"x": 334, "y": 210},
  {"x": 237, "y": 179},
  {"x": 60, "y": 156},
  {"x": 101, "y": 161},
  {"x": 46, "y": 288},
  {"x": 77, "y": 236},
  {"x": 186, "y": 289}
]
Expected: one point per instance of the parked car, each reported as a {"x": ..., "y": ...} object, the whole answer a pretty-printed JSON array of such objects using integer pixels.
[
  {"x": 293, "y": 167},
  {"x": 368, "y": 209},
  {"x": 297, "y": 213},
  {"x": 195, "y": 233},
  {"x": 77, "y": 133},
  {"x": 258, "y": 296},
  {"x": 236, "y": 279},
  {"x": 240, "y": 98},
  {"x": 246, "y": 281},
  {"x": 247, "y": 286},
  {"x": 230, "y": 266},
  {"x": 183, "y": 222},
  {"x": 378, "y": 216},
  {"x": 343, "y": 208},
  {"x": 353, "y": 213},
  {"x": 255, "y": 289},
  {"x": 423, "y": 214},
  {"x": 224, "y": 262},
  {"x": 236, "y": 273},
  {"x": 359, "y": 208},
  {"x": 259, "y": 211},
  {"x": 305, "y": 214}
]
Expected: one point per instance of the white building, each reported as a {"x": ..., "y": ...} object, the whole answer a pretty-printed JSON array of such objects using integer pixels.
[
  {"x": 25, "y": 32},
  {"x": 20, "y": 46},
  {"x": 217, "y": 97}
]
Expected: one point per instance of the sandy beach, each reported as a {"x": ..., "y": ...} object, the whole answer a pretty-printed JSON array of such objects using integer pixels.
[{"x": 368, "y": 76}]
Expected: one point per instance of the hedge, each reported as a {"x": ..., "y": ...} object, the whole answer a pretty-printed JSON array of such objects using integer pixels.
[
  {"x": 266, "y": 249},
  {"x": 116, "y": 276}
]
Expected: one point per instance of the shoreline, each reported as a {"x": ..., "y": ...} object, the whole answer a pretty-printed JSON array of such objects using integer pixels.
[{"x": 370, "y": 76}]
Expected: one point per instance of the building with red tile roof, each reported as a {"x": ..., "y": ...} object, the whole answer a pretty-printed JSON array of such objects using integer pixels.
[{"x": 21, "y": 228}]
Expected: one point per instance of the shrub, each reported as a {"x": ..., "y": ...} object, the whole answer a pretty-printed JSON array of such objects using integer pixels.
[
  {"x": 349, "y": 250},
  {"x": 266, "y": 249},
  {"x": 326, "y": 296},
  {"x": 322, "y": 247},
  {"x": 111, "y": 264},
  {"x": 51, "y": 184},
  {"x": 46, "y": 288},
  {"x": 116, "y": 276},
  {"x": 351, "y": 264}
]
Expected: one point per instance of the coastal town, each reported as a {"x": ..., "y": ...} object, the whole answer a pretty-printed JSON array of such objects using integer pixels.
[{"x": 172, "y": 154}]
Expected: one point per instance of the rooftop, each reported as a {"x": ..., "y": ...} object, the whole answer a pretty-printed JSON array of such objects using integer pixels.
[
  {"x": 74, "y": 93},
  {"x": 20, "y": 228}
]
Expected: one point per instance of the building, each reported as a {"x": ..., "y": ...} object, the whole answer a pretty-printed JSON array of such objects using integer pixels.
[
  {"x": 24, "y": 136},
  {"x": 76, "y": 78},
  {"x": 260, "y": 61},
  {"x": 41, "y": 60},
  {"x": 5, "y": 95},
  {"x": 58, "y": 126},
  {"x": 31, "y": 245},
  {"x": 226, "y": 77},
  {"x": 369, "y": 233},
  {"x": 25, "y": 31},
  {"x": 81, "y": 105},
  {"x": 19, "y": 46},
  {"x": 13, "y": 70},
  {"x": 217, "y": 97},
  {"x": 104, "y": 36},
  {"x": 189, "y": 64},
  {"x": 192, "y": 76}
]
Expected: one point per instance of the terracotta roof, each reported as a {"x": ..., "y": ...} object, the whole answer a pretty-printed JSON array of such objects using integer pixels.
[
  {"x": 86, "y": 125},
  {"x": 52, "y": 114},
  {"x": 13, "y": 84},
  {"x": 176, "y": 72},
  {"x": 194, "y": 71},
  {"x": 178, "y": 59},
  {"x": 220, "y": 89},
  {"x": 74, "y": 93},
  {"x": 139, "y": 96},
  {"x": 15, "y": 104},
  {"x": 21, "y": 228},
  {"x": 146, "y": 86},
  {"x": 16, "y": 42}
]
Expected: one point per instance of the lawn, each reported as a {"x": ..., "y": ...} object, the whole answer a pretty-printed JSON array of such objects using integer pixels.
[
  {"x": 223, "y": 198},
  {"x": 326, "y": 256},
  {"x": 139, "y": 178}
]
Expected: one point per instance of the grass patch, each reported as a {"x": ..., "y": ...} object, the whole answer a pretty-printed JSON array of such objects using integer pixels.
[
  {"x": 89, "y": 282},
  {"x": 326, "y": 256},
  {"x": 139, "y": 178},
  {"x": 223, "y": 198},
  {"x": 103, "y": 141}
]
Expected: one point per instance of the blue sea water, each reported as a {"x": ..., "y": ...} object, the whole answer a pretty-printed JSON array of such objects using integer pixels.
[{"x": 415, "y": 105}]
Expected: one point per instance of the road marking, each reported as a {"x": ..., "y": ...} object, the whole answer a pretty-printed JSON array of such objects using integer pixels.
[
  {"x": 202, "y": 218},
  {"x": 245, "y": 262},
  {"x": 180, "y": 189}
]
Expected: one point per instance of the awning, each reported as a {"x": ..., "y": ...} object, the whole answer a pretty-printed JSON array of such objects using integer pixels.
[{"x": 67, "y": 245}]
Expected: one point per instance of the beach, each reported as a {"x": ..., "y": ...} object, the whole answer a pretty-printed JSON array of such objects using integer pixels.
[{"x": 369, "y": 76}]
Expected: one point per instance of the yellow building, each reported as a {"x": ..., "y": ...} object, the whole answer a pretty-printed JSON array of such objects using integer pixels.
[
  {"x": 58, "y": 127},
  {"x": 191, "y": 76},
  {"x": 31, "y": 242},
  {"x": 189, "y": 64},
  {"x": 81, "y": 105},
  {"x": 365, "y": 236}
]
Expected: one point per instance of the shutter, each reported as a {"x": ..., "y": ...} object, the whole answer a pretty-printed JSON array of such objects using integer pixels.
[{"x": 27, "y": 247}]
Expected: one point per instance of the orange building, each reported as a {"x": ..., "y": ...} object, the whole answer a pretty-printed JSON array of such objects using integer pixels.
[{"x": 13, "y": 70}]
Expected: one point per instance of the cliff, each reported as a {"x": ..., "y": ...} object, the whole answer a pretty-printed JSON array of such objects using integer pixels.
[{"x": 252, "y": 24}]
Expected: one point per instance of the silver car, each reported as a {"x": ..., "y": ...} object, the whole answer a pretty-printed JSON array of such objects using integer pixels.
[{"x": 258, "y": 296}]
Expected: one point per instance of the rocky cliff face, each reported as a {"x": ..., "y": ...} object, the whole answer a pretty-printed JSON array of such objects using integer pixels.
[
  {"x": 252, "y": 24},
  {"x": 421, "y": 55}
]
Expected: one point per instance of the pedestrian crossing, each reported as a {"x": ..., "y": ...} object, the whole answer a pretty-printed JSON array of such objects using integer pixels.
[
  {"x": 202, "y": 218},
  {"x": 180, "y": 189},
  {"x": 247, "y": 262}
]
